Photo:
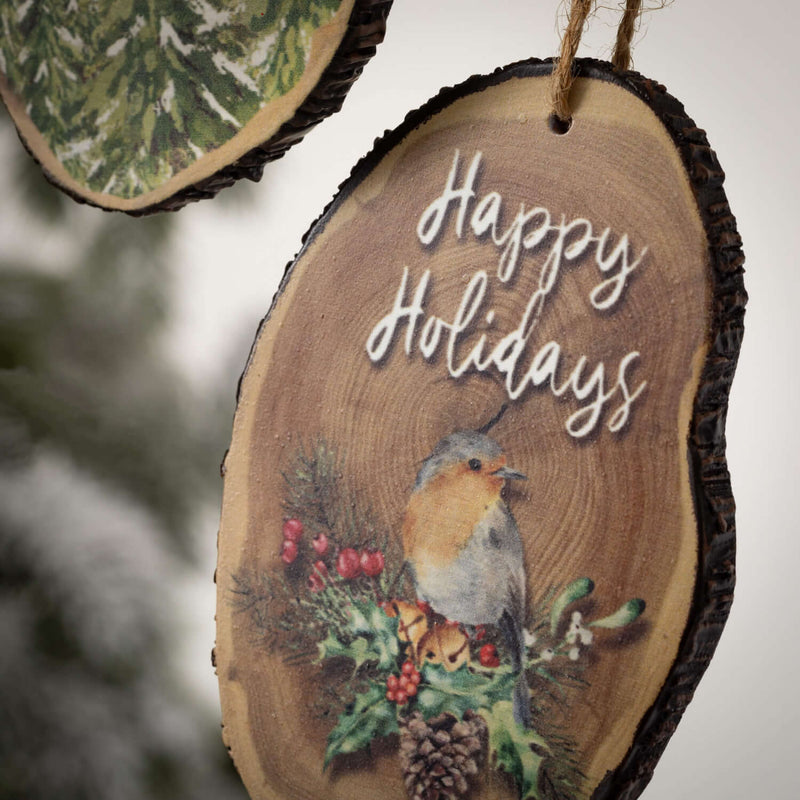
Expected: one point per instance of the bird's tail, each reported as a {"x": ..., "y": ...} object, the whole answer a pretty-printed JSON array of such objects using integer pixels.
[
  {"x": 521, "y": 702},
  {"x": 521, "y": 698}
]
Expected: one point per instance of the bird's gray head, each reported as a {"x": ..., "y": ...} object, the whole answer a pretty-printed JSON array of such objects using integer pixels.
[{"x": 474, "y": 449}]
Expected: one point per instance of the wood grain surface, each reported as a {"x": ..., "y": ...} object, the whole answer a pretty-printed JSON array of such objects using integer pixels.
[{"x": 636, "y": 498}]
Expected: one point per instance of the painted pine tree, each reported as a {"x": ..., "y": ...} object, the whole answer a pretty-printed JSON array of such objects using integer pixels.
[{"x": 127, "y": 93}]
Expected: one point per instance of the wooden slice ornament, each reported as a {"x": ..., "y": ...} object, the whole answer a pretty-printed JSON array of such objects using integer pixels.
[
  {"x": 144, "y": 107},
  {"x": 477, "y": 533}
]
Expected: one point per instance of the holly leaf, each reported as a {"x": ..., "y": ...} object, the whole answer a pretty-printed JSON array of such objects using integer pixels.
[
  {"x": 370, "y": 716},
  {"x": 369, "y": 635},
  {"x": 518, "y": 751},
  {"x": 461, "y": 689},
  {"x": 358, "y": 650},
  {"x": 370, "y": 622}
]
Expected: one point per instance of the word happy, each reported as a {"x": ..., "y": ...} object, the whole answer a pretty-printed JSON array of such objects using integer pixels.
[{"x": 521, "y": 361}]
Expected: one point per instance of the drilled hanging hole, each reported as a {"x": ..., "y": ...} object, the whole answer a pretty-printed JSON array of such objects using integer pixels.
[{"x": 558, "y": 125}]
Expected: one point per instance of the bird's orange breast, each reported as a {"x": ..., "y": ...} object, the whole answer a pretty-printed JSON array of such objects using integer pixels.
[{"x": 442, "y": 515}]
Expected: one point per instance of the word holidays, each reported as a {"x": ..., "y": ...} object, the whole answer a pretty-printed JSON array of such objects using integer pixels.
[{"x": 519, "y": 361}]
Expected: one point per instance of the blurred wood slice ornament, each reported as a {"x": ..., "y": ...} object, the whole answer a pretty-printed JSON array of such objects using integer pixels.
[
  {"x": 477, "y": 534},
  {"x": 144, "y": 107}
]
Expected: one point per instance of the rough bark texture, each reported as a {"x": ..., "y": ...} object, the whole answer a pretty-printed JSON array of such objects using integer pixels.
[{"x": 714, "y": 503}]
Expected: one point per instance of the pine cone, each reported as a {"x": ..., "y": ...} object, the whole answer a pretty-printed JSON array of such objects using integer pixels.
[{"x": 439, "y": 756}]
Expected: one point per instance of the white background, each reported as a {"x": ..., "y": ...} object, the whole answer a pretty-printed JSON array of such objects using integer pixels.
[{"x": 732, "y": 65}]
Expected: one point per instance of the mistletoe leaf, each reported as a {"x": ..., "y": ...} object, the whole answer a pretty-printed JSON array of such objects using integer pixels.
[
  {"x": 517, "y": 751},
  {"x": 624, "y": 615},
  {"x": 576, "y": 590},
  {"x": 370, "y": 716}
]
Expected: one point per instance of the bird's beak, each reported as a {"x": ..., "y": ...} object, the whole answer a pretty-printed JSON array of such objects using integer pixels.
[{"x": 510, "y": 474}]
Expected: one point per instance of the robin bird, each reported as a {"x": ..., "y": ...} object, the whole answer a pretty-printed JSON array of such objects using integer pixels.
[{"x": 463, "y": 546}]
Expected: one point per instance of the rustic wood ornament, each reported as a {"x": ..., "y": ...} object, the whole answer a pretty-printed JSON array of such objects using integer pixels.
[
  {"x": 144, "y": 107},
  {"x": 477, "y": 534}
]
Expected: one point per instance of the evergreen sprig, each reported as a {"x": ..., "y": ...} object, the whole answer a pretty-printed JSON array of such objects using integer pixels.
[
  {"x": 312, "y": 489},
  {"x": 318, "y": 492}
]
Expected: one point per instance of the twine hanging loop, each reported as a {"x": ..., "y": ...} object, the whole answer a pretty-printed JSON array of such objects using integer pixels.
[
  {"x": 563, "y": 72},
  {"x": 621, "y": 59}
]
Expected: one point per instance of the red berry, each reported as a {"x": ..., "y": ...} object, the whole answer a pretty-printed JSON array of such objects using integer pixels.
[
  {"x": 347, "y": 563},
  {"x": 488, "y": 656},
  {"x": 392, "y": 682},
  {"x": 292, "y": 529},
  {"x": 401, "y": 697},
  {"x": 372, "y": 562},
  {"x": 411, "y": 689},
  {"x": 390, "y": 696},
  {"x": 414, "y": 678},
  {"x": 321, "y": 569},
  {"x": 315, "y": 583},
  {"x": 320, "y": 544},
  {"x": 408, "y": 667},
  {"x": 288, "y": 551}
]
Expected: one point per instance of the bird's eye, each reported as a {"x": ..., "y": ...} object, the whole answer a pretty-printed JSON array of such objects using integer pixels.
[{"x": 474, "y": 464}]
